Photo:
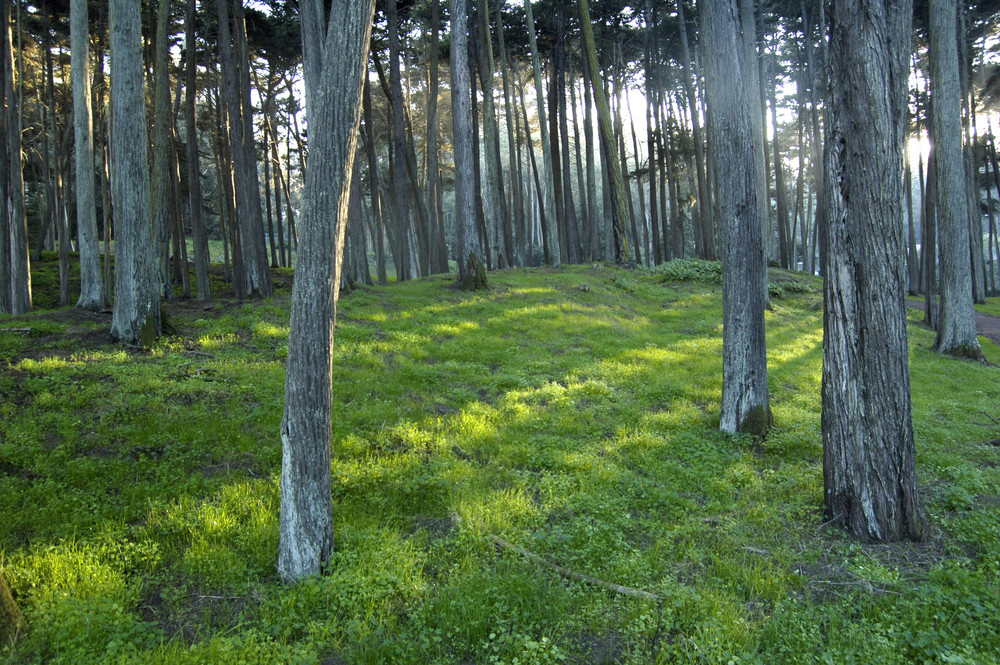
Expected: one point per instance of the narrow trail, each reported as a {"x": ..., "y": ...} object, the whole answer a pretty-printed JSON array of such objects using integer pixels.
[{"x": 986, "y": 325}]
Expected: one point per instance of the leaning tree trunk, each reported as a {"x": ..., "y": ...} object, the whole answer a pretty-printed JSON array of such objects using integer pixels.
[
  {"x": 136, "y": 318},
  {"x": 870, "y": 484},
  {"x": 334, "y": 60},
  {"x": 547, "y": 179},
  {"x": 619, "y": 208},
  {"x": 957, "y": 325},
  {"x": 91, "y": 286},
  {"x": 745, "y": 404}
]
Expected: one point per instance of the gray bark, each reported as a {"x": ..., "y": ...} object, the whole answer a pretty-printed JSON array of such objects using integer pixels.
[
  {"x": 552, "y": 233},
  {"x": 402, "y": 205},
  {"x": 160, "y": 207},
  {"x": 334, "y": 57},
  {"x": 461, "y": 114},
  {"x": 136, "y": 318},
  {"x": 91, "y": 286},
  {"x": 868, "y": 454},
  {"x": 201, "y": 257},
  {"x": 745, "y": 403},
  {"x": 20, "y": 266},
  {"x": 957, "y": 325}
]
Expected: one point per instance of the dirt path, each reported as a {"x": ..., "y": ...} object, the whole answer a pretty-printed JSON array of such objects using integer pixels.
[{"x": 986, "y": 325}]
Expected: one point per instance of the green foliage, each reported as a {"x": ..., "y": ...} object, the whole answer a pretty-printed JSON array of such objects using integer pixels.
[{"x": 572, "y": 412}]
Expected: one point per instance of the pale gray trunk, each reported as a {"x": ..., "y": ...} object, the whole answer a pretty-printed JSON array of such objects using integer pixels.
[
  {"x": 461, "y": 90},
  {"x": 496, "y": 208},
  {"x": 201, "y": 257},
  {"x": 402, "y": 251},
  {"x": 136, "y": 318},
  {"x": 20, "y": 266},
  {"x": 870, "y": 483},
  {"x": 160, "y": 202},
  {"x": 334, "y": 61},
  {"x": 957, "y": 325},
  {"x": 552, "y": 232},
  {"x": 91, "y": 286},
  {"x": 745, "y": 403}
]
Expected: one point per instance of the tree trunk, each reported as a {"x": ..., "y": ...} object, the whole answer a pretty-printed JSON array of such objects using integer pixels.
[
  {"x": 957, "y": 325},
  {"x": 91, "y": 286},
  {"x": 334, "y": 60},
  {"x": 10, "y": 616},
  {"x": 552, "y": 255},
  {"x": 136, "y": 317},
  {"x": 745, "y": 404},
  {"x": 619, "y": 209},
  {"x": 461, "y": 113},
  {"x": 400, "y": 200},
  {"x": 201, "y": 256},
  {"x": 160, "y": 178},
  {"x": 868, "y": 454}
]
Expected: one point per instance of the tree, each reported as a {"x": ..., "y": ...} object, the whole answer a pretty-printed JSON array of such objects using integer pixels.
[
  {"x": 745, "y": 404},
  {"x": 469, "y": 252},
  {"x": 201, "y": 255},
  {"x": 334, "y": 53},
  {"x": 16, "y": 236},
  {"x": 136, "y": 318},
  {"x": 91, "y": 286},
  {"x": 956, "y": 329},
  {"x": 869, "y": 480}
]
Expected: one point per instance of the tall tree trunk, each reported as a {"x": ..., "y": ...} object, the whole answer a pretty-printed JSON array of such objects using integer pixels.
[
  {"x": 136, "y": 317},
  {"x": 552, "y": 255},
  {"x": 745, "y": 404},
  {"x": 868, "y": 454},
  {"x": 334, "y": 60},
  {"x": 619, "y": 209},
  {"x": 160, "y": 179},
  {"x": 201, "y": 256},
  {"x": 703, "y": 228},
  {"x": 957, "y": 326},
  {"x": 439, "y": 251},
  {"x": 469, "y": 251},
  {"x": 373, "y": 184},
  {"x": 402, "y": 204},
  {"x": 91, "y": 286}
]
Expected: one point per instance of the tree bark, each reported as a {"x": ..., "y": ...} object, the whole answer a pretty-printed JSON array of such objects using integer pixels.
[
  {"x": 552, "y": 256},
  {"x": 619, "y": 208},
  {"x": 461, "y": 114},
  {"x": 957, "y": 325},
  {"x": 91, "y": 286},
  {"x": 745, "y": 403},
  {"x": 160, "y": 178},
  {"x": 136, "y": 317},
  {"x": 334, "y": 59},
  {"x": 868, "y": 454},
  {"x": 20, "y": 264},
  {"x": 201, "y": 256}
]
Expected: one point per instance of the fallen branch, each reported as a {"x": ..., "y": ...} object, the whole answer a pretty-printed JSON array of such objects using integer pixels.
[
  {"x": 17, "y": 331},
  {"x": 566, "y": 572}
]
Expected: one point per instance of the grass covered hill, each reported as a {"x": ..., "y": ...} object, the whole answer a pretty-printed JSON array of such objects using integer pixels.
[{"x": 489, "y": 451}]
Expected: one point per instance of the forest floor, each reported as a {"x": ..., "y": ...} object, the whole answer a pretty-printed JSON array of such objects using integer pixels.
[
  {"x": 489, "y": 450},
  {"x": 987, "y": 325}
]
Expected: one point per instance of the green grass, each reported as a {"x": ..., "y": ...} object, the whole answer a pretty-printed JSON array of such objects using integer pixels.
[
  {"x": 572, "y": 412},
  {"x": 992, "y": 307}
]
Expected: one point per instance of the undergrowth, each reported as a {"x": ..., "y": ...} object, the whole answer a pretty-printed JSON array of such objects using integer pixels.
[{"x": 571, "y": 412}]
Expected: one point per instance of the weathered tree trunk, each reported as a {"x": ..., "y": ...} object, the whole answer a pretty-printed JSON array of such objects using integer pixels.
[
  {"x": 461, "y": 113},
  {"x": 552, "y": 254},
  {"x": 703, "y": 229},
  {"x": 439, "y": 251},
  {"x": 160, "y": 178},
  {"x": 136, "y": 318},
  {"x": 957, "y": 326},
  {"x": 619, "y": 208},
  {"x": 400, "y": 200},
  {"x": 745, "y": 403},
  {"x": 91, "y": 286},
  {"x": 201, "y": 257},
  {"x": 334, "y": 60},
  {"x": 373, "y": 184},
  {"x": 868, "y": 454}
]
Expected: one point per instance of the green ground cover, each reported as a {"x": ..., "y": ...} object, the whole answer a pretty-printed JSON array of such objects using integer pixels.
[{"x": 571, "y": 412}]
